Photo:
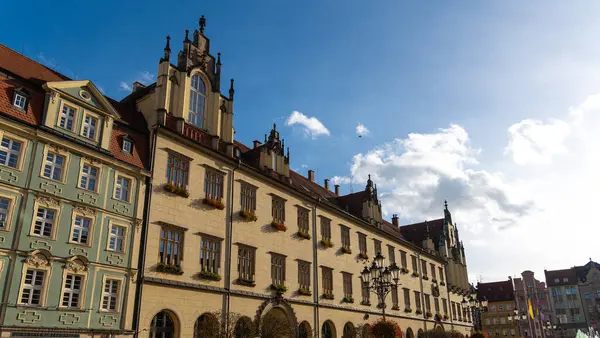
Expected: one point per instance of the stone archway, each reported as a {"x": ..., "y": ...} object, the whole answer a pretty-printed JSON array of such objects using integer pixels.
[
  {"x": 349, "y": 331},
  {"x": 281, "y": 316},
  {"x": 207, "y": 325},
  {"x": 328, "y": 330},
  {"x": 420, "y": 334},
  {"x": 439, "y": 327},
  {"x": 304, "y": 330},
  {"x": 165, "y": 324}
]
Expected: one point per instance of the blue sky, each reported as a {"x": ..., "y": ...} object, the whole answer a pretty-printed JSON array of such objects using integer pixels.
[{"x": 397, "y": 67}]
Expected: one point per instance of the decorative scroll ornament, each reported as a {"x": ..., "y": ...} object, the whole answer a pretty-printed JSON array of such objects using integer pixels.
[
  {"x": 48, "y": 201},
  {"x": 76, "y": 265},
  {"x": 85, "y": 211},
  {"x": 37, "y": 260}
]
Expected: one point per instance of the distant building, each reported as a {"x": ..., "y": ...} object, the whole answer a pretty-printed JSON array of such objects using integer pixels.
[
  {"x": 529, "y": 288},
  {"x": 501, "y": 304}
]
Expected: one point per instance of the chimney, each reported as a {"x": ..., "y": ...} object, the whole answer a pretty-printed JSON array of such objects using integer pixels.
[
  {"x": 327, "y": 184},
  {"x": 256, "y": 143},
  {"x": 137, "y": 85},
  {"x": 337, "y": 189},
  {"x": 395, "y": 220},
  {"x": 311, "y": 175}
]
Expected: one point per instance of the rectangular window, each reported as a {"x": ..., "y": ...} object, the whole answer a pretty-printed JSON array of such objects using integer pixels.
[
  {"x": 210, "y": 254},
  {"x": 71, "y": 291},
  {"x": 303, "y": 220},
  {"x": 90, "y": 124},
  {"x": 32, "y": 287},
  {"x": 177, "y": 171},
  {"x": 81, "y": 230},
  {"x": 122, "y": 189},
  {"x": 347, "y": 280},
  {"x": 362, "y": 243},
  {"x": 248, "y": 197},
  {"x": 325, "y": 229},
  {"x": 127, "y": 146},
  {"x": 10, "y": 150},
  {"x": 436, "y": 304},
  {"x": 500, "y": 307},
  {"x": 116, "y": 238},
  {"x": 89, "y": 177},
  {"x": 110, "y": 295},
  {"x": 277, "y": 269},
  {"x": 213, "y": 185},
  {"x": 424, "y": 268},
  {"x": 246, "y": 262},
  {"x": 441, "y": 270},
  {"x": 445, "y": 306},
  {"x": 415, "y": 267},
  {"x": 345, "y": 236},
  {"x": 53, "y": 166},
  {"x": 406, "y": 298},
  {"x": 433, "y": 273},
  {"x": 364, "y": 291},
  {"x": 453, "y": 310},
  {"x": 4, "y": 208},
  {"x": 377, "y": 246},
  {"x": 170, "y": 246},
  {"x": 67, "y": 116},
  {"x": 44, "y": 222},
  {"x": 418, "y": 300},
  {"x": 19, "y": 101},
  {"x": 304, "y": 275},
  {"x": 392, "y": 254},
  {"x": 394, "y": 296},
  {"x": 427, "y": 303},
  {"x": 278, "y": 209},
  {"x": 403, "y": 259},
  {"x": 327, "y": 280}
]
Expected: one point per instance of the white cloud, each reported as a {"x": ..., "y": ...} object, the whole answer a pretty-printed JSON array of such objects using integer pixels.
[
  {"x": 124, "y": 86},
  {"x": 311, "y": 125},
  {"x": 146, "y": 78},
  {"x": 535, "y": 142},
  {"x": 340, "y": 180},
  {"x": 48, "y": 62},
  {"x": 361, "y": 130}
]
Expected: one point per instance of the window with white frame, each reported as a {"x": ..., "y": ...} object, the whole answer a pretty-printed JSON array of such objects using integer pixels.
[
  {"x": 10, "y": 150},
  {"x": 210, "y": 254},
  {"x": 67, "y": 117},
  {"x": 53, "y": 166},
  {"x": 89, "y": 177},
  {"x": 90, "y": 124},
  {"x": 20, "y": 100},
  {"x": 44, "y": 221},
  {"x": 127, "y": 146},
  {"x": 122, "y": 188},
  {"x": 81, "y": 230},
  {"x": 4, "y": 208},
  {"x": 33, "y": 287},
  {"x": 116, "y": 238},
  {"x": 110, "y": 295},
  {"x": 197, "y": 101},
  {"x": 72, "y": 291}
]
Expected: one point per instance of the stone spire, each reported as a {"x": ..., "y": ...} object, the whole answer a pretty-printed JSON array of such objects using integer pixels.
[
  {"x": 231, "y": 91},
  {"x": 167, "y": 55},
  {"x": 202, "y": 24}
]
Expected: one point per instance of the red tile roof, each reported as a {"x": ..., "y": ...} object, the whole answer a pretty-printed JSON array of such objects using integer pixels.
[
  {"x": 496, "y": 291},
  {"x": 31, "y": 75},
  {"x": 416, "y": 232}
]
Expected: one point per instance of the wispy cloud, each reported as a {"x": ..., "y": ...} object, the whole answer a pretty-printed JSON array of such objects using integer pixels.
[
  {"x": 340, "y": 180},
  {"x": 48, "y": 62},
  {"x": 124, "y": 86},
  {"x": 311, "y": 125},
  {"x": 361, "y": 130},
  {"x": 146, "y": 77}
]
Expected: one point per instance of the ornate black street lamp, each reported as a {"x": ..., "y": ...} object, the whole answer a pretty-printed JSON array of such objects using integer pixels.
[
  {"x": 517, "y": 319},
  {"x": 477, "y": 307},
  {"x": 380, "y": 279}
]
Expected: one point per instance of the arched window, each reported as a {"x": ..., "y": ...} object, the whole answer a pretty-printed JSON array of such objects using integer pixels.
[
  {"x": 409, "y": 333},
  {"x": 197, "y": 101},
  {"x": 243, "y": 328},
  {"x": 366, "y": 331},
  {"x": 207, "y": 326},
  {"x": 162, "y": 326},
  {"x": 327, "y": 331},
  {"x": 304, "y": 331},
  {"x": 349, "y": 331}
]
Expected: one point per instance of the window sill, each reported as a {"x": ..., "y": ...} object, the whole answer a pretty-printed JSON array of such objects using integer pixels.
[
  {"x": 88, "y": 191},
  {"x": 80, "y": 244},
  {"x": 27, "y": 306},
  {"x": 170, "y": 269},
  {"x": 246, "y": 282},
  {"x": 107, "y": 312},
  {"x": 209, "y": 276},
  {"x": 120, "y": 200},
  {"x": 44, "y": 237},
  {"x": 11, "y": 168},
  {"x": 115, "y": 252},
  {"x": 61, "y": 181},
  {"x": 70, "y": 309}
]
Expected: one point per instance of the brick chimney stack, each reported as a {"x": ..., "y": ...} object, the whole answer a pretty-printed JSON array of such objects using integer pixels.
[
  {"x": 337, "y": 189},
  {"x": 395, "y": 220},
  {"x": 327, "y": 184},
  {"x": 256, "y": 143},
  {"x": 311, "y": 175}
]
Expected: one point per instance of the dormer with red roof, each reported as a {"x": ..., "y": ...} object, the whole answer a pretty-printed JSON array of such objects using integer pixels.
[{"x": 364, "y": 204}]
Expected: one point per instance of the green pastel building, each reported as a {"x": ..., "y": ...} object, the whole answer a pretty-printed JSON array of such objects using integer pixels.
[{"x": 73, "y": 179}]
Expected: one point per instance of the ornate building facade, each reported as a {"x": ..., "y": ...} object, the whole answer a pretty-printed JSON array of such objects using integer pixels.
[
  {"x": 501, "y": 305},
  {"x": 72, "y": 184},
  {"x": 232, "y": 229}
]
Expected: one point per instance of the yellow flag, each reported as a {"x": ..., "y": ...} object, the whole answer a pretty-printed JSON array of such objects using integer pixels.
[{"x": 530, "y": 308}]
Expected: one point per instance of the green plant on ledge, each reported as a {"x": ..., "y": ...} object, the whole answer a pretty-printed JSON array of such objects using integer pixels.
[
  {"x": 248, "y": 215},
  {"x": 446, "y": 317},
  {"x": 404, "y": 270},
  {"x": 346, "y": 250},
  {"x": 214, "y": 203},
  {"x": 209, "y": 275},
  {"x": 363, "y": 255},
  {"x": 279, "y": 288},
  {"x": 328, "y": 296},
  {"x": 407, "y": 310},
  {"x": 246, "y": 282},
  {"x": 428, "y": 314},
  {"x": 415, "y": 274},
  {"x": 303, "y": 234},
  {"x": 326, "y": 243},
  {"x": 365, "y": 303},
  {"x": 304, "y": 292},
  {"x": 395, "y": 308},
  {"x": 347, "y": 299},
  {"x": 278, "y": 226},
  {"x": 177, "y": 190},
  {"x": 437, "y": 317},
  {"x": 419, "y": 312},
  {"x": 169, "y": 268},
  {"x": 425, "y": 278},
  {"x": 442, "y": 283}
]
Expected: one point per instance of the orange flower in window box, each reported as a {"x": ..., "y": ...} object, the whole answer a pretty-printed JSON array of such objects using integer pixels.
[
  {"x": 214, "y": 203},
  {"x": 177, "y": 190},
  {"x": 248, "y": 215},
  {"x": 278, "y": 226}
]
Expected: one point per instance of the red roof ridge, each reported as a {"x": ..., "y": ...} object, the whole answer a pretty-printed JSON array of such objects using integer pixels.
[{"x": 12, "y": 51}]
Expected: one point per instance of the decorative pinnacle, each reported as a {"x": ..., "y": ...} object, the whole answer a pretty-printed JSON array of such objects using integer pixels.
[
  {"x": 231, "y": 90},
  {"x": 446, "y": 204},
  {"x": 219, "y": 59},
  {"x": 202, "y": 24},
  {"x": 187, "y": 33},
  {"x": 168, "y": 45}
]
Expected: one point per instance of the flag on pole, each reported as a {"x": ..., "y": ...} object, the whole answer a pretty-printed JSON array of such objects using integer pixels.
[{"x": 530, "y": 308}]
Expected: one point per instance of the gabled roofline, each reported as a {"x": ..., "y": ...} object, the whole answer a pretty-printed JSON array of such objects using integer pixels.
[{"x": 58, "y": 85}]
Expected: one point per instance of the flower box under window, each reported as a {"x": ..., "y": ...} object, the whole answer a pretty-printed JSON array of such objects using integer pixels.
[
  {"x": 278, "y": 226},
  {"x": 169, "y": 268},
  {"x": 304, "y": 292},
  {"x": 279, "y": 288},
  {"x": 365, "y": 303},
  {"x": 446, "y": 317},
  {"x": 303, "y": 234},
  {"x": 328, "y": 296},
  {"x": 404, "y": 270},
  {"x": 326, "y": 243},
  {"x": 209, "y": 275},
  {"x": 419, "y": 312},
  {"x": 347, "y": 299},
  {"x": 425, "y": 278},
  {"x": 246, "y": 282},
  {"x": 415, "y": 274},
  {"x": 346, "y": 250},
  {"x": 395, "y": 308},
  {"x": 248, "y": 215},
  {"x": 428, "y": 314},
  {"x": 217, "y": 204},
  {"x": 177, "y": 190},
  {"x": 438, "y": 317},
  {"x": 442, "y": 283},
  {"x": 407, "y": 310},
  {"x": 363, "y": 255}
]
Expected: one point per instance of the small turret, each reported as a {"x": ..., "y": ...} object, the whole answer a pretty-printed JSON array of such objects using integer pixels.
[
  {"x": 231, "y": 92},
  {"x": 167, "y": 50}
]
